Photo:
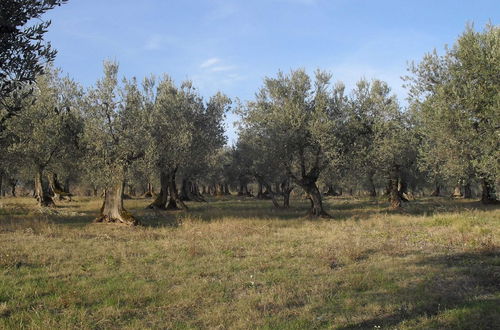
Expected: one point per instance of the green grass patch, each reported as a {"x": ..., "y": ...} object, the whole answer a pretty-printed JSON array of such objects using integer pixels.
[{"x": 239, "y": 263}]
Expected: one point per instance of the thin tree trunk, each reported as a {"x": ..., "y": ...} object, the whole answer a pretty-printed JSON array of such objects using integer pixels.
[
  {"x": 112, "y": 210},
  {"x": 271, "y": 193},
  {"x": 372, "y": 191},
  {"x": 286, "y": 197},
  {"x": 488, "y": 195},
  {"x": 161, "y": 199},
  {"x": 13, "y": 185},
  {"x": 286, "y": 189},
  {"x": 150, "y": 192},
  {"x": 41, "y": 191},
  {"x": 226, "y": 189}
]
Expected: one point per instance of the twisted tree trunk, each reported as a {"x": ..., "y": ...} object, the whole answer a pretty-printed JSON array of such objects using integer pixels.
[
  {"x": 161, "y": 199},
  {"x": 112, "y": 210},
  {"x": 286, "y": 189},
  {"x": 41, "y": 192},
  {"x": 393, "y": 187},
  {"x": 174, "y": 202},
  {"x": 372, "y": 191},
  {"x": 55, "y": 188}
]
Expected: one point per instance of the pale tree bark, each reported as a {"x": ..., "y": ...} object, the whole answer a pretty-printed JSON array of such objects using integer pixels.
[
  {"x": 307, "y": 181},
  {"x": 286, "y": 189},
  {"x": 161, "y": 199},
  {"x": 41, "y": 192},
  {"x": 112, "y": 210},
  {"x": 457, "y": 192},
  {"x": 55, "y": 188}
]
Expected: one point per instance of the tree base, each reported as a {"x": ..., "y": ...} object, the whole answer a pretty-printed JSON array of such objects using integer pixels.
[
  {"x": 315, "y": 213},
  {"x": 490, "y": 201},
  {"x": 124, "y": 218}
]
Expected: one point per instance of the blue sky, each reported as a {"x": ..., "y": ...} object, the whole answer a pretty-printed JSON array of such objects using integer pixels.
[{"x": 231, "y": 45}]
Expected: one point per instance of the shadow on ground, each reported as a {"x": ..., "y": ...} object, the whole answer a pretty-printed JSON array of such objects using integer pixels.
[{"x": 461, "y": 292}]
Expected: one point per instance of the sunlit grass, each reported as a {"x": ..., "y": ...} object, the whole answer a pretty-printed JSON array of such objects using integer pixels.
[{"x": 242, "y": 264}]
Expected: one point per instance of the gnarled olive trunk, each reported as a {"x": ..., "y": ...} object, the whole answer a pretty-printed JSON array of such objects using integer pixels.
[
  {"x": 161, "y": 199},
  {"x": 488, "y": 194},
  {"x": 316, "y": 209},
  {"x": 56, "y": 189},
  {"x": 112, "y": 210},
  {"x": 271, "y": 194},
  {"x": 372, "y": 191},
  {"x": 41, "y": 192},
  {"x": 190, "y": 191},
  {"x": 13, "y": 185},
  {"x": 402, "y": 189},
  {"x": 286, "y": 190},
  {"x": 393, "y": 188},
  {"x": 174, "y": 202}
]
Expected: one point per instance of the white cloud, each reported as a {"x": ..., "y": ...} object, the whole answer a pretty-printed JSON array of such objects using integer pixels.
[
  {"x": 210, "y": 62},
  {"x": 222, "y": 68}
]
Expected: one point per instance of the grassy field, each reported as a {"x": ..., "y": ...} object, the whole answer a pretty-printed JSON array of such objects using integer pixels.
[{"x": 242, "y": 264}]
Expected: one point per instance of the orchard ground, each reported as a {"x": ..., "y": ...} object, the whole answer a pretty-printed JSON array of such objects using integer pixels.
[{"x": 239, "y": 263}]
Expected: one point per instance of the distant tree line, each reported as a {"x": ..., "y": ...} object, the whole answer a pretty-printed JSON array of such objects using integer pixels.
[{"x": 123, "y": 137}]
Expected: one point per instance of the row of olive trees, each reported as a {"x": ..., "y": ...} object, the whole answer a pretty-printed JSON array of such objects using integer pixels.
[
  {"x": 308, "y": 130},
  {"x": 113, "y": 129},
  {"x": 298, "y": 131}
]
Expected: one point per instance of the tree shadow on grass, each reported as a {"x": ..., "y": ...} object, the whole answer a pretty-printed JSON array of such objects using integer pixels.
[{"x": 463, "y": 292}]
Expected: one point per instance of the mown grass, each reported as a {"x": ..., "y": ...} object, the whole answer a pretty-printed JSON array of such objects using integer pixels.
[{"x": 242, "y": 264}]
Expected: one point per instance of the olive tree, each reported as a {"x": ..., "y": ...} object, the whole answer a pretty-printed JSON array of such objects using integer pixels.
[
  {"x": 45, "y": 133},
  {"x": 299, "y": 117},
  {"x": 458, "y": 104},
  {"x": 114, "y": 136}
]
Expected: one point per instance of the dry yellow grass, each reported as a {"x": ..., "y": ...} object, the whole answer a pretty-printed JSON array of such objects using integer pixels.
[{"x": 241, "y": 264}]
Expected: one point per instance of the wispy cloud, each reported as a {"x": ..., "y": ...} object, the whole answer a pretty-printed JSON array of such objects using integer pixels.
[
  {"x": 210, "y": 62},
  {"x": 222, "y": 68},
  {"x": 157, "y": 41}
]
